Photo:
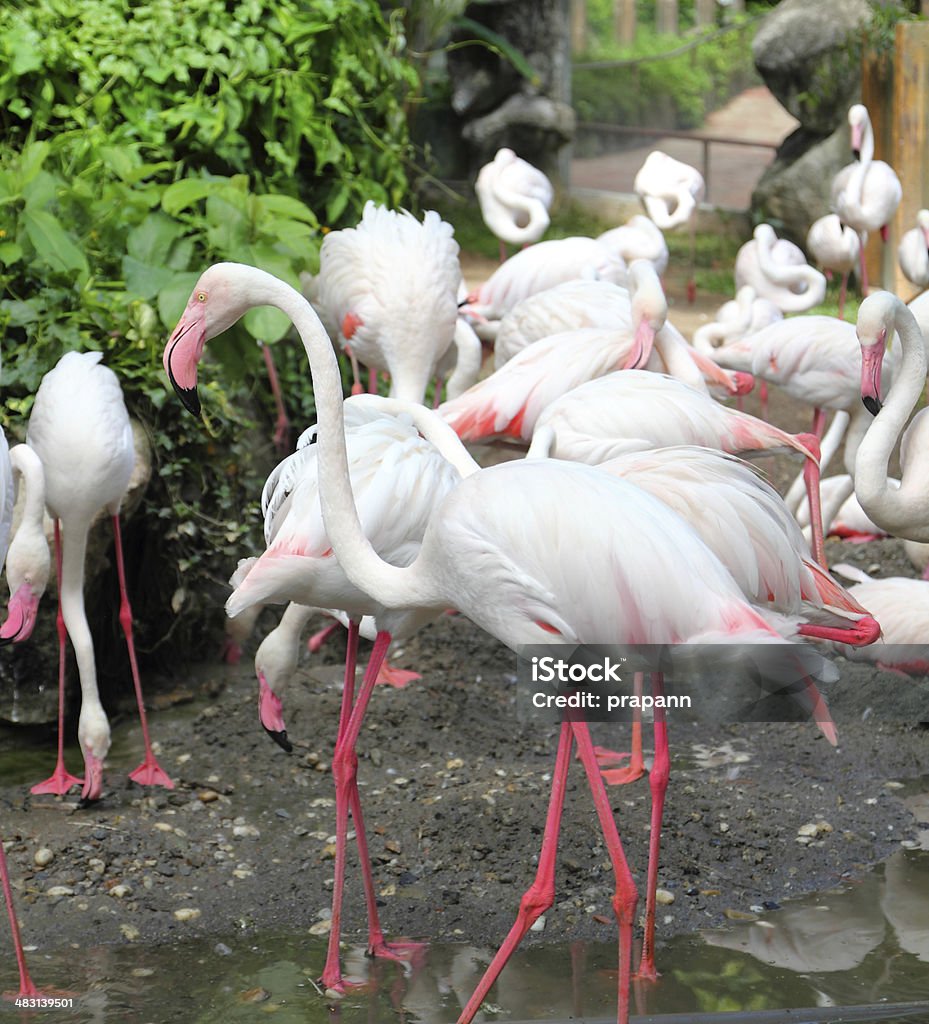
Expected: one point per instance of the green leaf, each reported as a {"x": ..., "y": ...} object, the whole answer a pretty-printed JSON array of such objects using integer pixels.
[
  {"x": 265, "y": 323},
  {"x": 10, "y": 253},
  {"x": 152, "y": 240},
  {"x": 185, "y": 193},
  {"x": 291, "y": 208},
  {"x": 52, "y": 242},
  {"x": 144, "y": 279}
]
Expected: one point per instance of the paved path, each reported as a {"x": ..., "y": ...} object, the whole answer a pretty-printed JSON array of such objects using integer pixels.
[{"x": 754, "y": 115}]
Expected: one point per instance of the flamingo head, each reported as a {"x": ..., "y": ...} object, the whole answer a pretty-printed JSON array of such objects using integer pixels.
[
  {"x": 269, "y": 713},
  {"x": 93, "y": 732},
  {"x": 857, "y": 119},
  {"x": 28, "y": 567},
  {"x": 649, "y": 311},
  {"x": 876, "y": 323},
  {"x": 223, "y": 294}
]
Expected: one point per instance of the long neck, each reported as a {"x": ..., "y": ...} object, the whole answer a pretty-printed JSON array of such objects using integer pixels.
[
  {"x": 387, "y": 584},
  {"x": 28, "y": 468},
  {"x": 791, "y": 276},
  {"x": 871, "y": 462}
]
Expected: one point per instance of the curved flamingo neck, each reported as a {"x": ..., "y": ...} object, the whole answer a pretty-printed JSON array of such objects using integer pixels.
[
  {"x": 28, "y": 467},
  {"x": 387, "y": 584},
  {"x": 875, "y": 495}
]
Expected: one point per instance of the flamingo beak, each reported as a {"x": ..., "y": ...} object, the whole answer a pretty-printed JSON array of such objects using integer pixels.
[
  {"x": 269, "y": 713},
  {"x": 742, "y": 383},
  {"x": 182, "y": 357},
  {"x": 21, "y": 616},
  {"x": 856, "y": 141},
  {"x": 93, "y": 778},
  {"x": 641, "y": 346},
  {"x": 872, "y": 356}
]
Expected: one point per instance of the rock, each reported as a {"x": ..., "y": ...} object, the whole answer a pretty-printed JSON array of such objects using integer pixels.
[
  {"x": 796, "y": 189},
  {"x": 43, "y": 857},
  {"x": 186, "y": 914},
  {"x": 805, "y": 54}
]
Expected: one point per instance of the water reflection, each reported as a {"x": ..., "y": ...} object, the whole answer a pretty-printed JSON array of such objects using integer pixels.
[{"x": 864, "y": 944}]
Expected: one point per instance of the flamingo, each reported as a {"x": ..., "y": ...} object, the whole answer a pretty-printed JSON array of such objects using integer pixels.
[
  {"x": 514, "y": 198},
  {"x": 639, "y": 238},
  {"x": 901, "y": 604},
  {"x": 576, "y": 303},
  {"x": 80, "y": 430},
  {"x": 535, "y": 269},
  {"x": 508, "y": 402},
  {"x": 903, "y": 511},
  {"x": 913, "y": 251},
  {"x": 836, "y": 248},
  {"x": 778, "y": 271},
  {"x": 28, "y": 560},
  {"x": 849, "y": 522},
  {"x": 636, "y": 410},
  {"x": 670, "y": 191},
  {"x": 867, "y": 192},
  {"x": 27, "y": 988},
  {"x": 505, "y": 549},
  {"x": 391, "y": 286}
]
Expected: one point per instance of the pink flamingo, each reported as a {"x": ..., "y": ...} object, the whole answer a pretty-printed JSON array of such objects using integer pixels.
[
  {"x": 506, "y": 549},
  {"x": 27, "y": 987},
  {"x": 778, "y": 271},
  {"x": 514, "y": 198},
  {"x": 80, "y": 430},
  {"x": 390, "y": 284},
  {"x": 866, "y": 192},
  {"x": 639, "y": 238},
  {"x": 836, "y": 248}
]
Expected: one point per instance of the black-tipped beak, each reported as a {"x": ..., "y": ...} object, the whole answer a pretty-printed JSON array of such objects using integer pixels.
[
  {"x": 856, "y": 153},
  {"x": 872, "y": 404},
  {"x": 190, "y": 398},
  {"x": 280, "y": 738}
]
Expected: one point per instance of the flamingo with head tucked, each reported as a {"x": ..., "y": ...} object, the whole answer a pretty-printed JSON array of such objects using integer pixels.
[
  {"x": 507, "y": 549},
  {"x": 836, "y": 247},
  {"x": 778, "y": 271},
  {"x": 867, "y": 192},
  {"x": 515, "y": 199}
]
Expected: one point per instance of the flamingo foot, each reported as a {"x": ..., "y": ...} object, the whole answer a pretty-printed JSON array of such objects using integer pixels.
[
  {"x": 646, "y": 972},
  {"x": 401, "y": 951},
  {"x": 605, "y": 757},
  {"x": 150, "y": 773},
  {"x": 396, "y": 677},
  {"x": 623, "y": 776},
  {"x": 60, "y": 782},
  {"x": 357, "y": 389}
]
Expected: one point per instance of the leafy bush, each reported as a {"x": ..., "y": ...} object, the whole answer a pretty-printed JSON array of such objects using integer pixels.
[{"x": 139, "y": 144}]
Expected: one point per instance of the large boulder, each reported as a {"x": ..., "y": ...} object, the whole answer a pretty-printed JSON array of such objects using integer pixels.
[{"x": 806, "y": 55}]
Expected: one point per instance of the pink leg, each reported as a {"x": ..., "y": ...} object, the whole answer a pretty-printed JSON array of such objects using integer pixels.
[
  {"x": 811, "y": 479},
  {"x": 636, "y": 767},
  {"x": 763, "y": 398},
  {"x": 842, "y": 293},
  {"x": 625, "y": 896},
  {"x": 658, "y": 781},
  {"x": 344, "y": 771},
  {"x": 502, "y": 251},
  {"x": 819, "y": 422},
  {"x": 318, "y": 639},
  {"x": 282, "y": 425},
  {"x": 149, "y": 772},
  {"x": 541, "y": 894},
  {"x": 60, "y": 781},
  {"x": 26, "y": 987},
  {"x": 437, "y": 393},
  {"x": 372, "y": 382},
  {"x": 356, "y": 371}
]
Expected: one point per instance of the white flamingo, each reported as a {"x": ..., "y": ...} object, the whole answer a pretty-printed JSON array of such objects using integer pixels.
[
  {"x": 391, "y": 285},
  {"x": 902, "y": 511},
  {"x": 778, "y": 271},
  {"x": 866, "y": 192},
  {"x": 836, "y": 247},
  {"x": 80, "y": 430},
  {"x": 913, "y": 251},
  {"x": 529, "y": 550},
  {"x": 515, "y": 199},
  {"x": 670, "y": 191}
]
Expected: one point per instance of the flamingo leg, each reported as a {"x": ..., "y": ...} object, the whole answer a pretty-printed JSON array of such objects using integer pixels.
[
  {"x": 60, "y": 781},
  {"x": 282, "y": 424},
  {"x": 318, "y": 639},
  {"x": 819, "y": 422},
  {"x": 356, "y": 371},
  {"x": 636, "y": 767},
  {"x": 658, "y": 782},
  {"x": 149, "y": 772},
  {"x": 437, "y": 393},
  {"x": 541, "y": 894},
  {"x": 811, "y": 479},
  {"x": 503, "y": 253},
  {"x": 345, "y": 773},
  {"x": 864, "y": 266},
  {"x": 692, "y": 280},
  {"x": 372, "y": 382},
  {"x": 625, "y": 895},
  {"x": 26, "y": 987}
]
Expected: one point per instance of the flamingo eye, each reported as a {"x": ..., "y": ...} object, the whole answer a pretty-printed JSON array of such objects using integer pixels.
[{"x": 201, "y": 296}]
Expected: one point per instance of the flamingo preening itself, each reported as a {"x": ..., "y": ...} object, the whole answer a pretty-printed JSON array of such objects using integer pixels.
[
  {"x": 836, "y": 247},
  {"x": 536, "y": 551},
  {"x": 515, "y": 199}
]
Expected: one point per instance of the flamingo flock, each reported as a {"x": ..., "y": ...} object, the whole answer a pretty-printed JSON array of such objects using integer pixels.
[{"x": 629, "y": 517}]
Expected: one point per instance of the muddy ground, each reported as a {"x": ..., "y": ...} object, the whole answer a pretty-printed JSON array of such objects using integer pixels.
[{"x": 454, "y": 788}]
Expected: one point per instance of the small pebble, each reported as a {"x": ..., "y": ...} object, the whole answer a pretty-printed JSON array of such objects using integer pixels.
[
  {"x": 43, "y": 857},
  {"x": 121, "y": 891},
  {"x": 664, "y": 896},
  {"x": 186, "y": 914},
  {"x": 740, "y": 915},
  {"x": 538, "y": 925},
  {"x": 59, "y": 890},
  {"x": 320, "y": 928}
]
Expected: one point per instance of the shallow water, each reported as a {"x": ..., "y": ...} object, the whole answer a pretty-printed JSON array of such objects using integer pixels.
[{"x": 863, "y": 944}]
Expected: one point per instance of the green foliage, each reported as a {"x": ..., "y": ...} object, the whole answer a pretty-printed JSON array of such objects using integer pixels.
[
  {"x": 139, "y": 144},
  {"x": 649, "y": 89}
]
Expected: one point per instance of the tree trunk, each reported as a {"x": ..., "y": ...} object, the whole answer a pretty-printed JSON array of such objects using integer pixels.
[
  {"x": 666, "y": 17},
  {"x": 624, "y": 21},
  {"x": 578, "y": 26}
]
